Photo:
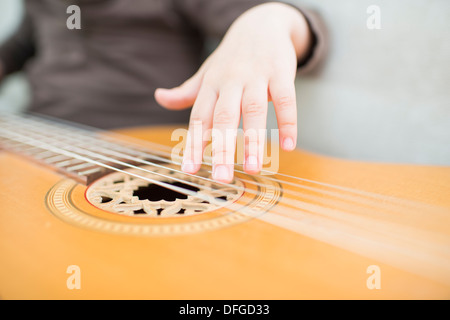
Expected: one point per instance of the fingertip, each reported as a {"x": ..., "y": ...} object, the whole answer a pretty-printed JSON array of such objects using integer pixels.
[
  {"x": 222, "y": 173},
  {"x": 288, "y": 144},
  {"x": 251, "y": 165},
  {"x": 161, "y": 96},
  {"x": 188, "y": 166}
]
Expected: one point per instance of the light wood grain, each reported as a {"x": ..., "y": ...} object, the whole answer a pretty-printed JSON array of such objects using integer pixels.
[{"x": 250, "y": 260}]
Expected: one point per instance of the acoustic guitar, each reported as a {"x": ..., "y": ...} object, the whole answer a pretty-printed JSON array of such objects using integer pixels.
[{"x": 90, "y": 214}]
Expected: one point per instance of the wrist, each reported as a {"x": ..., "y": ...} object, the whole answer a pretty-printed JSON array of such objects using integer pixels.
[
  {"x": 299, "y": 29},
  {"x": 286, "y": 18}
]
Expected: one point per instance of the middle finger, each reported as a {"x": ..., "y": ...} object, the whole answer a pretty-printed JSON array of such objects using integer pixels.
[{"x": 225, "y": 124}]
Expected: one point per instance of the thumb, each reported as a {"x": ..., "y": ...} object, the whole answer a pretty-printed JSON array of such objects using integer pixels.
[{"x": 180, "y": 97}]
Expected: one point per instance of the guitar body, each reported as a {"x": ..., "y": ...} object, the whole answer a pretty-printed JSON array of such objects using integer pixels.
[{"x": 47, "y": 225}]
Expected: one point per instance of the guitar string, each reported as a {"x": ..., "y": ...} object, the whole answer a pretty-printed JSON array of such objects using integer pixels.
[
  {"x": 323, "y": 201},
  {"x": 75, "y": 152},
  {"x": 52, "y": 122},
  {"x": 406, "y": 256},
  {"x": 139, "y": 143},
  {"x": 331, "y": 213},
  {"x": 402, "y": 202},
  {"x": 376, "y": 198},
  {"x": 122, "y": 149}
]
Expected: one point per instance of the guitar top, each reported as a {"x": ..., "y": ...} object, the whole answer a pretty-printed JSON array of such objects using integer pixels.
[{"x": 102, "y": 215}]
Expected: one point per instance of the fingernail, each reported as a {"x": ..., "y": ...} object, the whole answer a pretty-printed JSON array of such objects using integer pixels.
[
  {"x": 221, "y": 173},
  {"x": 251, "y": 163},
  {"x": 188, "y": 166},
  {"x": 288, "y": 144}
]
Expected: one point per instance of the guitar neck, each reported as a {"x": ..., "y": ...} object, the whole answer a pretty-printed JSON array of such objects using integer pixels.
[{"x": 78, "y": 153}]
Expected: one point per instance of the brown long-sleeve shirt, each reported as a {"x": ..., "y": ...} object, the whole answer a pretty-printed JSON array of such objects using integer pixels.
[{"x": 105, "y": 73}]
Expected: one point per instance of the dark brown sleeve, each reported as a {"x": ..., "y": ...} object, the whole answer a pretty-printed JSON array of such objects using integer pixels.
[
  {"x": 18, "y": 48},
  {"x": 214, "y": 17}
]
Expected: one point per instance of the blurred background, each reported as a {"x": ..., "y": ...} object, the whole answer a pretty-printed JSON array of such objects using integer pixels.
[
  {"x": 382, "y": 95},
  {"x": 14, "y": 92}
]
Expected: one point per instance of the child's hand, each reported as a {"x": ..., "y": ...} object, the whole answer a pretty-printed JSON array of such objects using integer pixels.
[{"x": 255, "y": 62}]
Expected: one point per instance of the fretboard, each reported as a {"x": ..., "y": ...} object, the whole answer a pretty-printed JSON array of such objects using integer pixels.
[{"x": 79, "y": 153}]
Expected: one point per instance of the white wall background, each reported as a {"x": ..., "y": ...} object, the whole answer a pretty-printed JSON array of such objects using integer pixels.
[{"x": 383, "y": 95}]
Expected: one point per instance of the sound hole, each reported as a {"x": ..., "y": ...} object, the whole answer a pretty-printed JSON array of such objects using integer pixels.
[
  {"x": 154, "y": 192},
  {"x": 131, "y": 196}
]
